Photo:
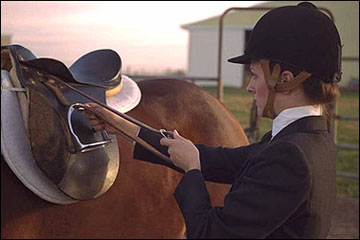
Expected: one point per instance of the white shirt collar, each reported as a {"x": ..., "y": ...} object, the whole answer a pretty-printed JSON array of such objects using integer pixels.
[{"x": 290, "y": 115}]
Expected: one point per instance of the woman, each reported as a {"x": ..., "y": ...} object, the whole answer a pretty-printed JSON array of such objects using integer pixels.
[{"x": 283, "y": 186}]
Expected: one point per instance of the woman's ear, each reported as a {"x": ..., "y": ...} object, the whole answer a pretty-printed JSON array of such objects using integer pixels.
[{"x": 286, "y": 76}]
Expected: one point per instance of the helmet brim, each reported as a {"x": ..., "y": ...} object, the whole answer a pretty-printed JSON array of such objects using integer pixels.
[{"x": 242, "y": 59}]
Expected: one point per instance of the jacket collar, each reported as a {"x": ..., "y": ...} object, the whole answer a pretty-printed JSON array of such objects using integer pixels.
[
  {"x": 290, "y": 115},
  {"x": 302, "y": 125}
]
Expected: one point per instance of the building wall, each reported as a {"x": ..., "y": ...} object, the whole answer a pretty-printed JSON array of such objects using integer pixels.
[{"x": 203, "y": 54}]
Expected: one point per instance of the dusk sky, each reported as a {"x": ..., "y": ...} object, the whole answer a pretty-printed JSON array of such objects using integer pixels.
[{"x": 147, "y": 35}]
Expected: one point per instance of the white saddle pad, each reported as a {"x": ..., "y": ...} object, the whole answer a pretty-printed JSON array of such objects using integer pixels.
[{"x": 127, "y": 98}]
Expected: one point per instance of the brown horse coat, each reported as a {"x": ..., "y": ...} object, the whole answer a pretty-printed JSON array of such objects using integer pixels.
[{"x": 140, "y": 204}]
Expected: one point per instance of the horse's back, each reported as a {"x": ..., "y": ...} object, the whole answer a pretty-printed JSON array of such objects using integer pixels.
[
  {"x": 171, "y": 103},
  {"x": 140, "y": 203}
]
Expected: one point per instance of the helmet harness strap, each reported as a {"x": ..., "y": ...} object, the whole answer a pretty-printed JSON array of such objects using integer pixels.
[
  {"x": 274, "y": 86},
  {"x": 270, "y": 79}
]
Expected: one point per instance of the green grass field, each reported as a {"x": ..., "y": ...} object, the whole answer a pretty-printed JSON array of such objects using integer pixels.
[{"x": 240, "y": 102}]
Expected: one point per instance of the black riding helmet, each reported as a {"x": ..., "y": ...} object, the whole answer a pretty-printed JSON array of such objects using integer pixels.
[{"x": 299, "y": 36}]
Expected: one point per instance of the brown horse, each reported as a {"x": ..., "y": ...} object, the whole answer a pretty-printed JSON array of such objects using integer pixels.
[{"x": 140, "y": 203}]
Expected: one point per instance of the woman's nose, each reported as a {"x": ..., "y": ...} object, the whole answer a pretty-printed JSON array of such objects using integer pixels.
[{"x": 249, "y": 87}]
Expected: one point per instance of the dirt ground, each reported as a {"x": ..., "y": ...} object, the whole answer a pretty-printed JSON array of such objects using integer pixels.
[{"x": 345, "y": 221}]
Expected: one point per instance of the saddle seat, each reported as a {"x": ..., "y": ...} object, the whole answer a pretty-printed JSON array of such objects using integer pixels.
[{"x": 71, "y": 176}]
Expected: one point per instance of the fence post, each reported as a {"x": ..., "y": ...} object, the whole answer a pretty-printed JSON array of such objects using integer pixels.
[{"x": 331, "y": 109}]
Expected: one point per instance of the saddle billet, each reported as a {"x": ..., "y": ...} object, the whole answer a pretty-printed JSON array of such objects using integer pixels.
[{"x": 81, "y": 175}]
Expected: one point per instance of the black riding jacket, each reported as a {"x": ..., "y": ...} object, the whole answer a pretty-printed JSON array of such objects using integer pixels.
[{"x": 281, "y": 188}]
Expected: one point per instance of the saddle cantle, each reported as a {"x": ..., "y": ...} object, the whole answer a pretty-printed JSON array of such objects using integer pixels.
[{"x": 80, "y": 174}]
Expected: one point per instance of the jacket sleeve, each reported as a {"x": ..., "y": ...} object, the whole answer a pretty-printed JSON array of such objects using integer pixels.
[
  {"x": 218, "y": 164},
  {"x": 271, "y": 189},
  {"x": 223, "y": 165}
]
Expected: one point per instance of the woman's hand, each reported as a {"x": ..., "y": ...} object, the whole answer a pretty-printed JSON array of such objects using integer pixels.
[
  {"x": 182, "y": 152},
  {"x": 97, "y": 123}
]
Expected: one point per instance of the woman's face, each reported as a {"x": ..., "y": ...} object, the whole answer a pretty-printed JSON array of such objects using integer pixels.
[{"x": 257, "y": 86}]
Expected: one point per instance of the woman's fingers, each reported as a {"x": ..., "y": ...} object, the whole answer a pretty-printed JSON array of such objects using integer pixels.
[
  {"x": 177, "y": 135},
  {"x": 99, "y": 127},
  {"x": 96, "y": 123},
  {"x": 166, "y": 142}
]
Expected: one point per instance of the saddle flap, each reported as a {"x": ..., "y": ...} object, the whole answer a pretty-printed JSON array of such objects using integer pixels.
[{"x": 16, "y": 149}]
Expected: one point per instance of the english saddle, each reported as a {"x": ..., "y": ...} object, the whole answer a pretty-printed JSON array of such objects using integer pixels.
[
  {"x": 81, "y": 163},
  {"x": 63, "y": 144}
]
